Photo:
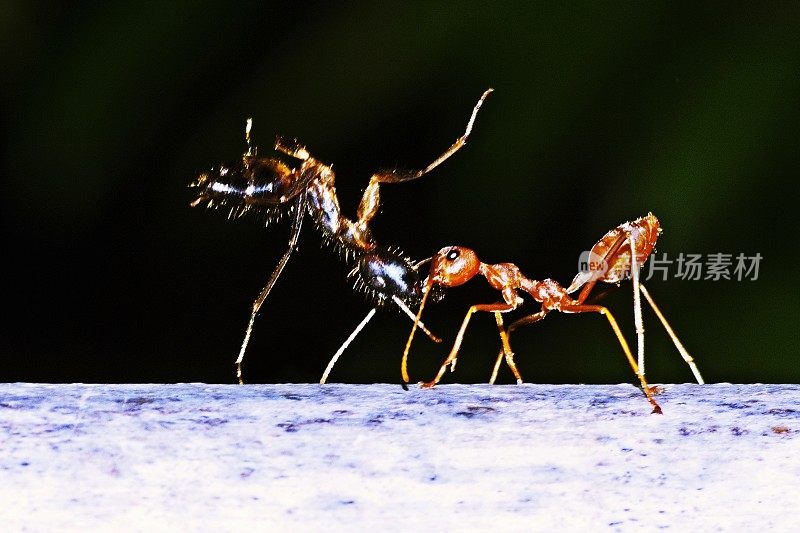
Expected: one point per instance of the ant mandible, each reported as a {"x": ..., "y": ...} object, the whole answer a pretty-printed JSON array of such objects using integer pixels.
[
  {"x": 455, "y": 265},
  {"x": 270, "y": 186}
]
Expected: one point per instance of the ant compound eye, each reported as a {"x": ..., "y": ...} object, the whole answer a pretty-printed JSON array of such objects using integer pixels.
[{"x": 452, "y": 255}]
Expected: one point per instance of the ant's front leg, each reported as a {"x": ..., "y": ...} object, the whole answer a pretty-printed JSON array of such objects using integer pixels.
[
  {"x": 453, "y": 356},
  {"x": 297, "y": 223}
]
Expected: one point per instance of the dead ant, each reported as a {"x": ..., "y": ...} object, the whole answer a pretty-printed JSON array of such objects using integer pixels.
[
  {"x": 269, "y": 186},
  {"x": 621, "y": 252}
]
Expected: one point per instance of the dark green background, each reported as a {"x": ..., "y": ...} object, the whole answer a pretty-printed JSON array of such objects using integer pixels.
[{"x": 601, "y": 113}]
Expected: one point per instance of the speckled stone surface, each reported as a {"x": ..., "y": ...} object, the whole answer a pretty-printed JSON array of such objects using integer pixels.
[{"x": 195, "y": 457}]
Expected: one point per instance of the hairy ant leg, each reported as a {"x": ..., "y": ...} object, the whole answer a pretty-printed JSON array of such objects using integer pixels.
[
  {"x": 297, "y": 223},
  {"x": 397, "y": 176}
]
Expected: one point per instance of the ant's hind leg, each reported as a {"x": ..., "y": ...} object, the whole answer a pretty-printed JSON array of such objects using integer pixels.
[
  {"x": 625, "y": 348},
  {"x": 397, "y": 176},
  {"x": 361, "y": 326},
  {"x": 678, "y": 344},
  {"x": 370, "y": 200},
  {"x": 637, "y": 303}
]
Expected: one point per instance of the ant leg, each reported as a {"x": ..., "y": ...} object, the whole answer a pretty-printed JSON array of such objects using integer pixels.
[
  {"x": 524, "y": 321},
  {"x": 496, "y": 368},
  {"x": 404, "y": 308},
  {"x": 370, "y": 200},
  {"x": 297, "y": 223},
  {"x": 395, "y": 176},
  {"x": 452, "y": 357},
  {"x": 684, "y": 353},
  {"x": 637, "y": 303},
  {"x": 346, "y": 343},
  {"x": 361, "y": 326},
  {"x": 506, "y": 350},
  {"x": 603, "y": 311}
]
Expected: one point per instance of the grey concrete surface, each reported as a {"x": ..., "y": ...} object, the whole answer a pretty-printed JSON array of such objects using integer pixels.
[{"x": 196, "y": 457}]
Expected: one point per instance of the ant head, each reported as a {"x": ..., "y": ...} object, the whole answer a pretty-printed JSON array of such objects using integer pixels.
[{"x": 453, "y": 266}]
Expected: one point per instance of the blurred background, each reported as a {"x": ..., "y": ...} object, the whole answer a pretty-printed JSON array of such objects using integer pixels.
[{"x": 601, "y": 112}]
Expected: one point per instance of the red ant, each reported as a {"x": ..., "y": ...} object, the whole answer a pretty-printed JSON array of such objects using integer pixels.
[
  {"x": 622, "y": 251},
  {"x": 270, "y": 186}
]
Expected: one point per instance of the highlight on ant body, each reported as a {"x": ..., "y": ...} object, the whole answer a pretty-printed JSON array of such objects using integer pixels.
[
  {"x": 622, "y": 251},
  {"x": 268, "y": 186}
]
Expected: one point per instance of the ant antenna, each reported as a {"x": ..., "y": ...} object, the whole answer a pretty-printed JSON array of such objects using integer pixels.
[{"x": 404, "y": 362}]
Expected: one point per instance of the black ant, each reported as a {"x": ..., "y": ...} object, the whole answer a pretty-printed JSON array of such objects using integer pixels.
[
  {"x": 619, "y": 253},
  {"x": 270, "y": 186}
]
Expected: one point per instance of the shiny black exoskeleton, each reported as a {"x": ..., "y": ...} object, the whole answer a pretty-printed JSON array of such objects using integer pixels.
[{"x": 386, "y": 272}]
